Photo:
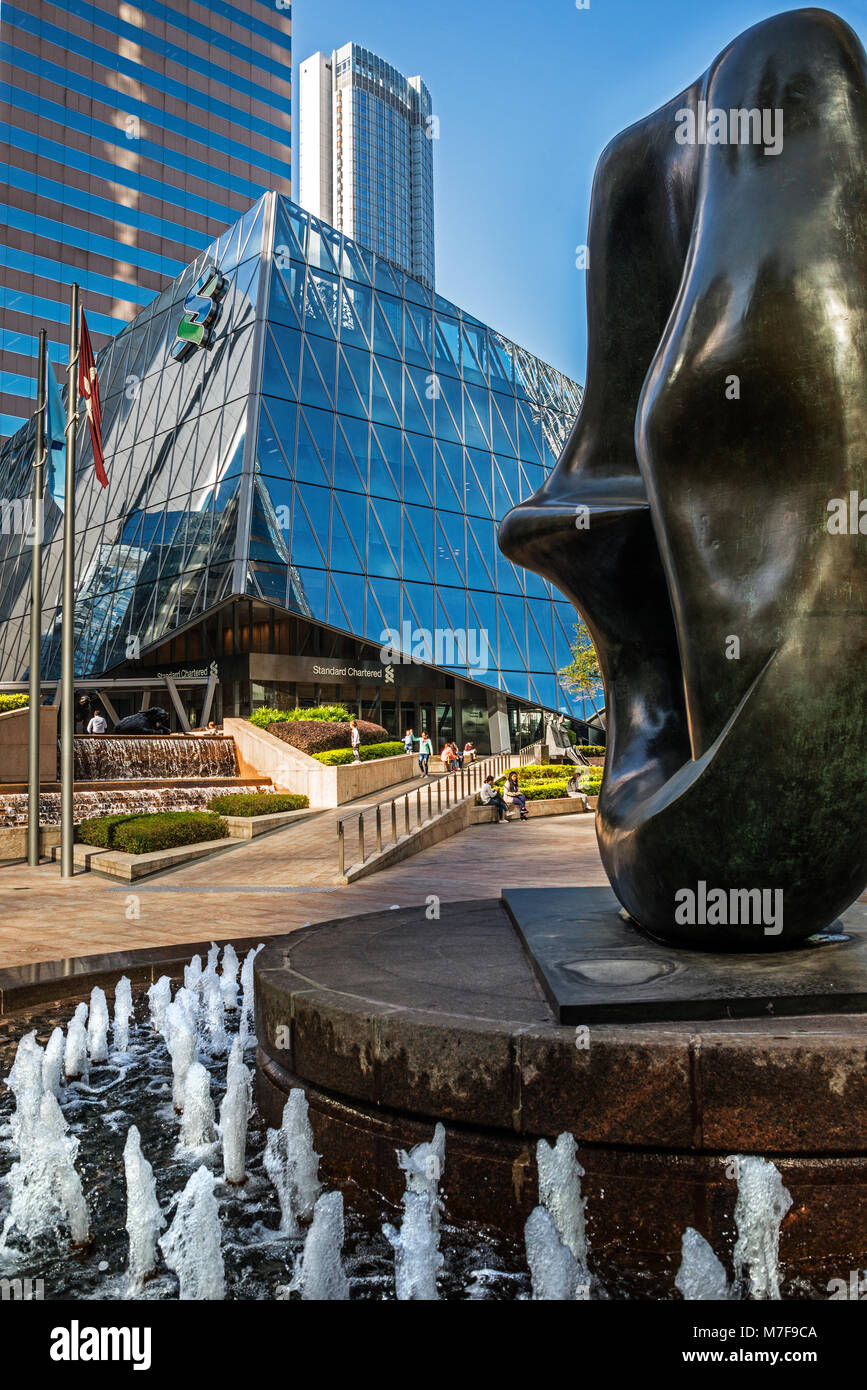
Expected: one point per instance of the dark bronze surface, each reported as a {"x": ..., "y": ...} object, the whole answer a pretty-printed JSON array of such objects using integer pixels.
[{"x": 708, "y": 500}]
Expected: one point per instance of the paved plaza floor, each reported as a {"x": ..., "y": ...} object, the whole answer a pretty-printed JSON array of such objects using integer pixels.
[{"x": 277, "y": 883}]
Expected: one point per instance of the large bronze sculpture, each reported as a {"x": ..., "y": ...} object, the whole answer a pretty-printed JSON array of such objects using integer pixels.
[{"x": 706, "y": 515}]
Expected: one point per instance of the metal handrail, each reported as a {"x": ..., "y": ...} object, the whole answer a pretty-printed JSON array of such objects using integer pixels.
[{"x": 470, "y": 781}]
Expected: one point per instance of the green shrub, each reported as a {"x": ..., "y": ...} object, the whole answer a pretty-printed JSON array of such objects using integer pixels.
[
  {"x": 167, "y": 829},
  {"x": 339, "y": 757},
  {"x": 262, "y": 718},
  {"x": 591, "y": 750},
  {"x": 257, "y": 803},
  {"x": 99, "y": 830},
  {"x": 535, "y": 772},
  {"x": 8, "y": 702}
]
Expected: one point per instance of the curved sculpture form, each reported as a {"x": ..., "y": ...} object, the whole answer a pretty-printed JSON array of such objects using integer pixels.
[{"x": 696, "y": 515}]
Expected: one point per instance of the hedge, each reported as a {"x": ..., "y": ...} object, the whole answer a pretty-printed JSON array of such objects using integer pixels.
[
  {"x": 167, "y": 829},
  {"x": 535, "y": 772},
  {"x": 313, "y": 736},
  {"x": 257, "y": 803},
  {"x": 339, "y": 757},
  {"x": 591, "y": 750},
  {"x": 264, "y": 717},
  {"x": 142, "y": 833},
  {"x": 99, "y": 831},
  {"x": 8, "y": 702}
]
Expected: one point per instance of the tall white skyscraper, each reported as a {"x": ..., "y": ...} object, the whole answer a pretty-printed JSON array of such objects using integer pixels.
[{"x": 366, "y": 154}]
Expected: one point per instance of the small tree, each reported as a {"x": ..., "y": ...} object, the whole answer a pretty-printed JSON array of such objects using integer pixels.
[{"x": 582, "y": 673}]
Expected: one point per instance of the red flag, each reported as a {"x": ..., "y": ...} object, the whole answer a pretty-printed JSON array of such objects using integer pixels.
[{"x": 88, "y": 387}]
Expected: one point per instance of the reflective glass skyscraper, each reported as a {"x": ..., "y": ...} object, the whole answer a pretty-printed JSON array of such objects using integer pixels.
[
  {"x": 329, "y": 471},
  {"x": 365, "y": 149},
  {"x": 132, "y": 135}
]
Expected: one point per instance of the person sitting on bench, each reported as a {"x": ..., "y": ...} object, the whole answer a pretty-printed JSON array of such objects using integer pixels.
[{"x": 491, "y": 797}]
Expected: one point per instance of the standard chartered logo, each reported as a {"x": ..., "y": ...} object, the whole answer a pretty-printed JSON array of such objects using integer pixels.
[{"x": 201, "y": 311}]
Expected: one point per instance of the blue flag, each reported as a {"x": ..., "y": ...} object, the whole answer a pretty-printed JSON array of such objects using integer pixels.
[{"x": 55, "y": 438}]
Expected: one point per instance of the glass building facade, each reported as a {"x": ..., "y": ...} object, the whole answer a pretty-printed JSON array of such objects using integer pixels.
[
  {"x": 313, "y": 499},
  {"x": 132, "y": 135}
]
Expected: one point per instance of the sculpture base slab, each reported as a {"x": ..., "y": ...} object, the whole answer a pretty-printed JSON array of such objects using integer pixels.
[{"x": 595, "y": 966}]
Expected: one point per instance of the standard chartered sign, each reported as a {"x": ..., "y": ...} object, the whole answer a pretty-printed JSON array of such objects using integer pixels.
[{"x": 201, "y": 311}]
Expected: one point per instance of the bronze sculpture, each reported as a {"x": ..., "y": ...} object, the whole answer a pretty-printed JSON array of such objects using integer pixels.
[{"x": 705, "y": 514}]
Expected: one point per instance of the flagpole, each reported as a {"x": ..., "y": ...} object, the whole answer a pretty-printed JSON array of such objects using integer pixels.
[
  {"x": 67, "y": 648},
  {"x": 35, "y": 696}
]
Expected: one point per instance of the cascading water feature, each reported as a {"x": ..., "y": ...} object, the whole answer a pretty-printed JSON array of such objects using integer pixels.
[
  {"x": 192, "y": 1245},
  {"x": 102, "y": 758},
  {"x": 417, "y": 1256},
  {"x": 292, "y": 1164},
  {"x": 144, "y": 1220}
]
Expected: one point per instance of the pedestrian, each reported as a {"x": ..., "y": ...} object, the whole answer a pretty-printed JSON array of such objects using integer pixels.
[
  {"x": 491, "y": 797},
  {"x": 355, "y": 740},
  {"x": 408, "y": 740},
  {"x": 513, "y": 796},
  {"x": 425, "y": 749},
  {"x": 97, "y": 723}
]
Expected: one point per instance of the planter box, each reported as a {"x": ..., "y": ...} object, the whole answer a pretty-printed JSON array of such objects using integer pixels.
[
  {"x": 260, "y": 754},
  {"x": 13, "y": 744}
]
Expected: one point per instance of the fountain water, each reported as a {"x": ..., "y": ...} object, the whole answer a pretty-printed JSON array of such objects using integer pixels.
[
  {"x": 554, "y": 1272},
  {"x": 215, "y": 1022},
  {"x": 193, "y": 973},
  {"x": 122, "y": 1014},
  {"x": 75, "y": 1060},
  {"x": 292, "y": 1164},
  {"x": 97, "y": 1026},
  {"x": 144, "y": 1220},
  {"x": 417, "y": 1256},
  {"x": 159, "y": 998},
  {"x": 229, "y": 978},
  {"x": 52, "y": 1062},
  {"x": 45, "y": 1186},
  {"x": 26, "y": 1084},
  {"x": 247, "y": 992},
  {"x": 191, "y": 1246},
  {"x": 181, "y": 1043},
  {"x": 560, "y": 1176},
  {"x": 762, "y": 1202},
  {"x": 320, "y": 1275},
  {"x": 197, "y": 1122},
  {"x": 234, "y": 1114},
  {"x": 701, "y": 1275}
]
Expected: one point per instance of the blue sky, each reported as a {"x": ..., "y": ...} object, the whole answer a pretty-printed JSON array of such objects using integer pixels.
[{"x": 528, "y": 94}]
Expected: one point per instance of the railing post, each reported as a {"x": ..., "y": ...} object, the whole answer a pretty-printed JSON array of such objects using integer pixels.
[
  {"x": 429, "y": 802},
  {"x": 341, "y": 850},
  {"x": 378, "y": 830},
  {"x": 361, "y": 837},
  {"x": 393, "y": 821},
  {"x": 417, "y": 807},
  {"x": 448, "y": 803},
  {"x": 439, "y": 797},
  {"x": 406, "y": 813}
]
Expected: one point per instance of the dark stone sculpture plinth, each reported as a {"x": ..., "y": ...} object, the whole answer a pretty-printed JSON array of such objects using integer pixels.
[
  {"x": 704, "y": 515},
  {"x": 595, "y": 967}
]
